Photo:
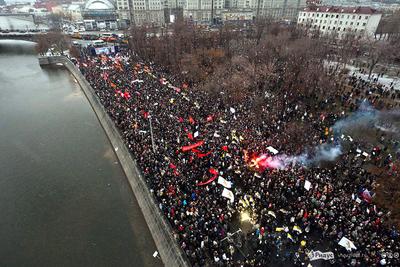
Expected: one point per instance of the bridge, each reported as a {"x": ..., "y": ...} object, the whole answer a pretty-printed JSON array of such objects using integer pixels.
[
  {"x": 21, "y": 16},
  {"x": 28, "y": 36},
  {"x": 19, "y": 22}
]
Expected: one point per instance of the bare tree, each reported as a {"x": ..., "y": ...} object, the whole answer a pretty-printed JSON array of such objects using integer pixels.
[
  {"x": 375, "y": 51},
  {"x": 74, "y": 52},
  {"x": 42, "y": 44}
]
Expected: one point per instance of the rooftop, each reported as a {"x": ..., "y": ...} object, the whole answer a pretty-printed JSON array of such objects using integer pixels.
[{"x": 341, "y": 9}]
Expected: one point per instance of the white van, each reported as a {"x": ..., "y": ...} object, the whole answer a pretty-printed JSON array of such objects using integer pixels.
[
  {"x": 107, "y": 34},
  {"x": 98, "y": 43}
]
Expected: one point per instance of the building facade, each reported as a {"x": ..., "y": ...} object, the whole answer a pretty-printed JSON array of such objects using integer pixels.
[
  {"x": 100, "y": 14},
  {"x": 200, "y": 10},
  {"x": 279, "y": 9},
  {"x": 123, "y": 9},
  {"x": 148, "y": 12},
  {"x": 359, "y": 21}
]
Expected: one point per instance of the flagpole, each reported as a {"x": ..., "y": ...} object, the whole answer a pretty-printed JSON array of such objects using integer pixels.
[{"x": 151, "y": 133}]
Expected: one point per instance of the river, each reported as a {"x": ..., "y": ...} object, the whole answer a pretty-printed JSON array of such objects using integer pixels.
[{"x": 64, "y": 199}]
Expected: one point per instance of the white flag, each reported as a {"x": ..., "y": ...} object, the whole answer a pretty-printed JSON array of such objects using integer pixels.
[
  {"x": 307, "y": 185},
  {"x": 347, "y": 244},
  {"x": 232, "y": 110},
  {"x": 272, "y": 150},
  {"x": 196, "y": 134},
  {"x": 224, "y": 182},
  {"x": 228, "y": 194}
]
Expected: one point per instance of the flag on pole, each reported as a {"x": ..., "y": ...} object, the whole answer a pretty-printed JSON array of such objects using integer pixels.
[
  {"x": 224, "y": 182},
  {"x": 272, "y": 150},
  {"x": 228, "y": 194},
  {"x": 190, "y": 147},
  {"x": 307, "y": 185},
  {"x": 297, "y": 229},
  {"x": 347, "y": 244},
  {"x": 290, "y": 237}
]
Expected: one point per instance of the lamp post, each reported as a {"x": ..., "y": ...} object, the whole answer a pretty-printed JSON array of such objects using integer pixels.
[{"x": 212, "y": 12}]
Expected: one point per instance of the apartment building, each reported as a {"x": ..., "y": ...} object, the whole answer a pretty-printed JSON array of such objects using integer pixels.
[
  {"x": 200, "y": 10},
  {"x": 360, "y": 21},
  {"x": 149, "y": 12},
  {"x": 123, "y": 9}
]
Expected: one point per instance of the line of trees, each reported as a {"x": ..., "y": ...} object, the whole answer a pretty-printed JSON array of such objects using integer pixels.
[{"x": 263, "y": 56}]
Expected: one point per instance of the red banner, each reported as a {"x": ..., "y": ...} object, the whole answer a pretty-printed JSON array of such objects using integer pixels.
[{"x": 190, "y": 147}]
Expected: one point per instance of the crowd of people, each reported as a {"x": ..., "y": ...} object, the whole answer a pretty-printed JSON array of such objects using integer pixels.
[{"x": 208, "y": 164}]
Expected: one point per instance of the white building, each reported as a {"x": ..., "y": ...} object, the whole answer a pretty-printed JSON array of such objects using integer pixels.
[
  {"x": 150, "y": 12},
  {"x": 360, "y": 21}
]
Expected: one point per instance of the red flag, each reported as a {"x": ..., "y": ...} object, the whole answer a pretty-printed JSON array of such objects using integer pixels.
[
  {"x": 180, "y": 119},
  {"x": 172, "y": 166},
  {"x": 305, "y": 215},
  {"x": 214, "y": 173},
  {"x": 190, "y": 136},
  {"x": 145, "y": 114},
  {"x": 210, "y": 118},
  {"x": 225, "y": 148},
  {"x": 201, "y": 155},
  {"x": 127, "y": 95},
  {"x": 195, "y": 150},
  {"x": 191, "y": 120},
  {"x": 187, "y": 148}
]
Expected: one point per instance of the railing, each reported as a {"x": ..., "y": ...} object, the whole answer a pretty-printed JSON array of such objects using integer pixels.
[{"x": 162, "y": 232}]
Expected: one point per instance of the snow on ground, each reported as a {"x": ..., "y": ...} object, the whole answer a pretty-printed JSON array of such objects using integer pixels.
[{"x": 384, "y": 80}]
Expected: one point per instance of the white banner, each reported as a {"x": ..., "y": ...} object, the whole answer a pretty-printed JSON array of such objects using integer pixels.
[
  {"x": 228, "y": 194},
  {"x": 318, "y": 255},
  {"x": 346, "y": 243},
  {"x": 307, "y": 185},
  {"x": 272, "y": 150},
  {"x": 224, "y": 182}
]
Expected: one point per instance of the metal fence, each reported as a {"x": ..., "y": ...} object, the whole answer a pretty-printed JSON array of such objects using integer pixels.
[{"x": 161, "y": 230}]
